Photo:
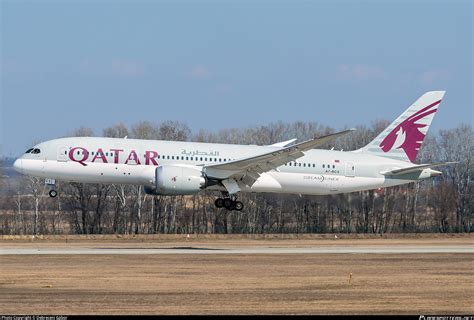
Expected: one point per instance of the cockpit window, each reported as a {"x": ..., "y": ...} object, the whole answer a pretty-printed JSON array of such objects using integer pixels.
[
  {"x": 29, "y": 150},
  {"x": 36, "y": 151}
]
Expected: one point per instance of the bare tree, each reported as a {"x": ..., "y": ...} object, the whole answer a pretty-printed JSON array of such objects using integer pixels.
[
  {"x": 458, "y": 145},
  {"x": 145, "y": 130},
  {"x": 139, "y": 200},
  {"x": 118, "y": 130},
  {"x": 82, "y": 132},
  {"x": 120, "y": 216},
  {"x": 174, "y": 131},
  {"x": 37, "y": 188}
]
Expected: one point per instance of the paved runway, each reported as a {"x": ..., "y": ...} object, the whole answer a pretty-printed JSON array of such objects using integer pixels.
[{"x": 409, "y": 249}]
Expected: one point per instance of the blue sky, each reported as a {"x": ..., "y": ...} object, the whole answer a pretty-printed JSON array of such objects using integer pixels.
[{"x": 227, "y": 64}]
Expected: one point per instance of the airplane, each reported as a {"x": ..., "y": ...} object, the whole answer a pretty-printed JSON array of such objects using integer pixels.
[{"x": 186, "y": 168}]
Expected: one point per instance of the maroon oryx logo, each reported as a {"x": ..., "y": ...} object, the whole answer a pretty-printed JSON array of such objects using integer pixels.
[{"x": 407, "y": 135}]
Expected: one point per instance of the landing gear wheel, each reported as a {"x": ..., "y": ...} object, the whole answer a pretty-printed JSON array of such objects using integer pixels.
[
  {"x": 53, "y": 193},
  {"x": 228, "y": 203},
  {"x": 231, "y": 206},
  {"x": 238, "y": 206},
  {"x": 219, "y": 203}
]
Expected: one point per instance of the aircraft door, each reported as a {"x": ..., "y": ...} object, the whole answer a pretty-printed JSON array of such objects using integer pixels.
[
  {"x": 350, "y": 169},
  {"x": 62, "y": 154}
]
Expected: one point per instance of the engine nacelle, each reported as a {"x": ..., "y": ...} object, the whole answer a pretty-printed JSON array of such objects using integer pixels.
[{"x": 177, "y": 180}]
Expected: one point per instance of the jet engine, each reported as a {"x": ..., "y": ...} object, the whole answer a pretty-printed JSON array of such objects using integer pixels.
[{"x": 177, "y": 180}]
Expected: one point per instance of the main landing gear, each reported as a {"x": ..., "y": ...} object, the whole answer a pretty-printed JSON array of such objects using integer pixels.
[{"x": 230, "y": 203}]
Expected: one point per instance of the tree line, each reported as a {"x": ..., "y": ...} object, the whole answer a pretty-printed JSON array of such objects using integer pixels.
[{"x": 441, "y": 204}]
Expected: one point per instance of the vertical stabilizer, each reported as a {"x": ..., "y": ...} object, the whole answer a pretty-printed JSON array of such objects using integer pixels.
[{"x": 402, "y": 139}]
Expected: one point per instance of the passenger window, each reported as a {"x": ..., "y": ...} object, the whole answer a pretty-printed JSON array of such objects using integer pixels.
[
  {"x": 201, "y": 159},
  {"x": 323, "y": 165},
  {"x": 304, "y": 164},
  {"x": 299, "y": 165},
  {"x": 205, "y": 159},
  {"x": 168, "y": 157},
  {"x": 333, "y": 166},
  {"x": 187, "y": 158}
]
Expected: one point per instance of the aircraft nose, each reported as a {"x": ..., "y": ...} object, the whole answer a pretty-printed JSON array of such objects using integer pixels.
[{"x": 17, "y": 165}]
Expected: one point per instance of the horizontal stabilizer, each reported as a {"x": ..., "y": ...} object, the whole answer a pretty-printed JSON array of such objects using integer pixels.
[{"x": 415, "y": 168}]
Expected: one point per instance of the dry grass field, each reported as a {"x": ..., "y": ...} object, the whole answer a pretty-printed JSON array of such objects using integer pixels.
[{"x": 431, "y": 283}]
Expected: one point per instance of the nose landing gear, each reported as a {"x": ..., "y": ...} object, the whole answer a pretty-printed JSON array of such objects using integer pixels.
[
  {"x": 52, "y": 184},
  {"x": 229, "y": 202}
]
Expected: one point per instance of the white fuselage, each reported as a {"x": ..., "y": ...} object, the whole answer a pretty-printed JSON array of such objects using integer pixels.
[{"x": 131, "y": 161}]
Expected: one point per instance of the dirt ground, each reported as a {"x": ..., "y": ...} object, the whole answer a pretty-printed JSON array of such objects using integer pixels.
[{"x": 429, "y": 283}]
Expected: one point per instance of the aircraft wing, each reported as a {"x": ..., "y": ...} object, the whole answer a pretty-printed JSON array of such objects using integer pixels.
[
  {"x": 415, "y": 168},
  {"x": 248, "y": 170}
]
